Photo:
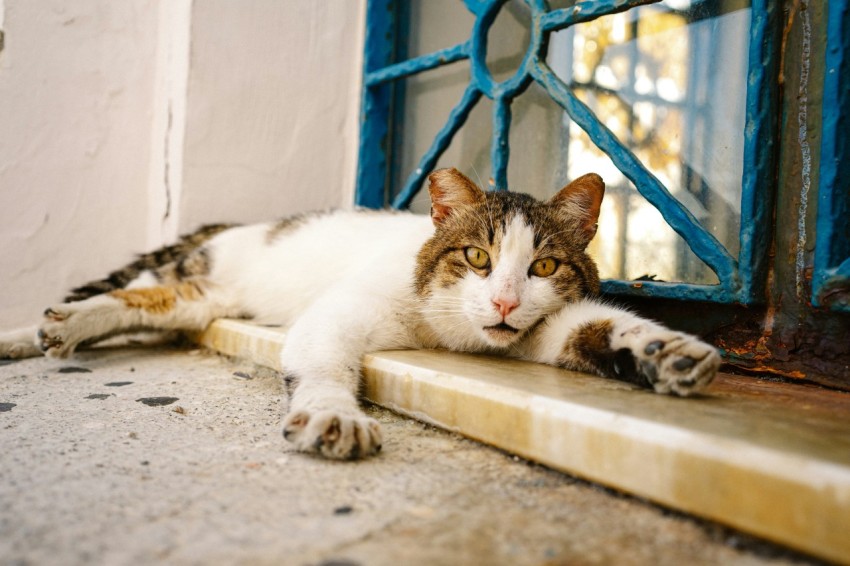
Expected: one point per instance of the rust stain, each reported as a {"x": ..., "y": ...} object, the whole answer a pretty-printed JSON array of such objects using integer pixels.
[
  {"x": 752, "y": 354},
  {"x": 770, "y": 370},
  {"x": 158, "y": 300}
]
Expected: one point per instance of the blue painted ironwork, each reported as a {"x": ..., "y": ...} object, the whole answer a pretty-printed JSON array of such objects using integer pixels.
[
  {"x": 587, "y": 11},
  {"x": 741, "y": 279},
  {"x": 499, "y": 148},
  {"x": 376, "y": 101},
  {"x": 417, "y": 65},
  {"x": 831, "y": 274},
  {"x": 759, "y": 141}
]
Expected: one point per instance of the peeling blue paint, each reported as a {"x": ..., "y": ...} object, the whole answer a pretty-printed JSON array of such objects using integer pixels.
[
  {"x": 757, "y": 197},
  {"x": 831, "y": 273}
]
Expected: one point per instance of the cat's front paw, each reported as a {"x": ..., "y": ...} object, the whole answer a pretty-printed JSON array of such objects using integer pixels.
[
  {"x": 333, "y": 434},
  {"x": 670, "y": 361}
]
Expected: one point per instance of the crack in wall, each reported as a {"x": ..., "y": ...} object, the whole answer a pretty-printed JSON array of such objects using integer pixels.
[{"x": 166, "y": 168}]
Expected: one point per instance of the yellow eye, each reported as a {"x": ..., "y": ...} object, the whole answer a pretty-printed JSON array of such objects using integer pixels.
[
  {"x": 544, "y": 267},
  {"x": 477, "y": 257}
]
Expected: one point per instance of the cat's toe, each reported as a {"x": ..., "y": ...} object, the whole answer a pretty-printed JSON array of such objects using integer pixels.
[
  {"x": 685, "y": 367},
  {"x": 294, "y": 423},
  {"x": 53, "y": 341},
  {"x": 55, "y": 314},
  {"x": 333, "y": 435}
]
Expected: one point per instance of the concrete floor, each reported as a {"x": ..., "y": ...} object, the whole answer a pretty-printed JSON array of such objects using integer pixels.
[{"x": 96, "y": 468}]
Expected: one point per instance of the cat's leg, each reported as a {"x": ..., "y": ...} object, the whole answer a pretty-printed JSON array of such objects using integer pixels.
[
  {"x": 18, "y": 344},
  {"x": 597, "y": 338},
  {"x": 187, "y": 305},
  {"x": 323, "y": 353}
]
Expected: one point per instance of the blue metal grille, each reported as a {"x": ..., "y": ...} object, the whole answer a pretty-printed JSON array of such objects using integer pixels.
[
  {"x": 831, "y": 275},
  {"x": 741, "y": 278}
]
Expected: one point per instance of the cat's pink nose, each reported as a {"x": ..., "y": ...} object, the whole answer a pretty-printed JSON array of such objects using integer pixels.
[{"x": 505, "y": 305}]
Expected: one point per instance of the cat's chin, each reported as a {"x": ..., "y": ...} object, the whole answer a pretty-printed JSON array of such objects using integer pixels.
[{"x": 501, "y": 334}]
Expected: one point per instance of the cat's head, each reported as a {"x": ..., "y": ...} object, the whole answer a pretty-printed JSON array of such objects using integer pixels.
[{"x": 499, "y": 262}]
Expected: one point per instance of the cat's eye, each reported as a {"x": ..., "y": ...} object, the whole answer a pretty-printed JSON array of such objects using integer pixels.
[
  {"x": 477, "y": 257},
  {"x": 544, "y": 267}
]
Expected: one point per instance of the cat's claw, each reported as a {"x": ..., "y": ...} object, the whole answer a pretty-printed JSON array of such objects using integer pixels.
[
  {"x": 333, "y": 434},
  {"x": 672, "y": 362},
  {"x": 54, "y": 315}
]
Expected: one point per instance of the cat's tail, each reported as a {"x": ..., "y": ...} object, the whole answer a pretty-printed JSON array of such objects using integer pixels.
[{"x": 151, "y": 262}]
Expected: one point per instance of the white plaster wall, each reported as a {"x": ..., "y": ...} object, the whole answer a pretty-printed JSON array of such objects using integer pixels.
[
  {"x": 123, "y": 123},
  {"x": 75, "y": 108},
  {"x": 272, "y": 110}
]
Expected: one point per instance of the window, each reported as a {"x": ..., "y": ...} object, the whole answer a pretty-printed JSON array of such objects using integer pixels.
[
  {"x": 727, "y": 179},
  {"x": 666, "y": 101}
]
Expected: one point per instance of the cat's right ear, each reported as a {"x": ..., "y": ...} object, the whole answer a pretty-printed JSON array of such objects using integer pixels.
[{"x": 451, "y": 189}]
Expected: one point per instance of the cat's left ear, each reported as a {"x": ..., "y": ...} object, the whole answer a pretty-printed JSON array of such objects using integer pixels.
[
  {"x": 450, "y": 189},
  {"x": 581, "y": 200}
]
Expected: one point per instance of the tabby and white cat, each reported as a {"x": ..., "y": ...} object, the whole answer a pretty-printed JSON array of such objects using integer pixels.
[{"x": 491, "y": 272}]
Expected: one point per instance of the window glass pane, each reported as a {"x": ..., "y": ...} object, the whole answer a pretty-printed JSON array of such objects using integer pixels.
[{"x": 670, "y": 81}]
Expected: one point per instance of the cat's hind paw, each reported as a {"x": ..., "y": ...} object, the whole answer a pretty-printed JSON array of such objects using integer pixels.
[
  {"x": 333, "y": 434},
  {"x": 672, "y": 362},
  {"x": 55, "y": 337}
]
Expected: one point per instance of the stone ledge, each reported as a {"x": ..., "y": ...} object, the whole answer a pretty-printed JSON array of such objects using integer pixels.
[{"x": 771, "y": 459}]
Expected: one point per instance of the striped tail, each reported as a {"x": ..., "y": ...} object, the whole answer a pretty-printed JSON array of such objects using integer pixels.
[{"x": 152, "y": 262}]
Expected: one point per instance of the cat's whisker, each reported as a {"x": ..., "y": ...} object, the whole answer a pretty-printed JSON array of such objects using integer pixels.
[{"x": 477, "y": 176}]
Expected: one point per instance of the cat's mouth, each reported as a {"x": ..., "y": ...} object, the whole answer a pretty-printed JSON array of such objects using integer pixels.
[{"x": 501, "y": 329}]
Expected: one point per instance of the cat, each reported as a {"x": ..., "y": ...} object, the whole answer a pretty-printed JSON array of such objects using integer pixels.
[{"x": 493, "y": 272}]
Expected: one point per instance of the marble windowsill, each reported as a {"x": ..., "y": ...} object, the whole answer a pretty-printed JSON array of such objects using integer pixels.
[{"x": 771, "y": 459}]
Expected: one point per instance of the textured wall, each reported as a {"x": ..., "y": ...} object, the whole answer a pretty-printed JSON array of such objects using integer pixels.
[
  {"x": 75, "y": 92},
  {"x": 272, "y": 108},
  {"x": 124, "y": 123}
]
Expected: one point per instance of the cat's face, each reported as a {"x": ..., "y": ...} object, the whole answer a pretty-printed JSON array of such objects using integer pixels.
[{"x": 498, "y": 263}]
